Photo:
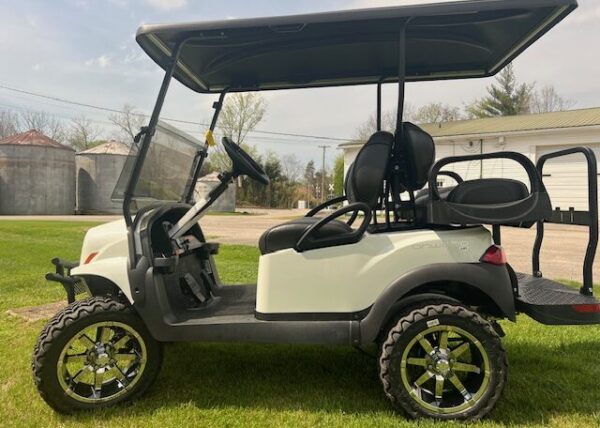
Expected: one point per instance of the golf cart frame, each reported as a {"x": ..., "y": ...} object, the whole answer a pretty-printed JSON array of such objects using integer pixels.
[{"x": 430, "y": 254}]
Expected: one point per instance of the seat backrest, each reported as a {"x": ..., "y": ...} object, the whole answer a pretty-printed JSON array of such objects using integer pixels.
[
  {"x": 365, "y": 177},
  {"x": 416, "y": 151}
]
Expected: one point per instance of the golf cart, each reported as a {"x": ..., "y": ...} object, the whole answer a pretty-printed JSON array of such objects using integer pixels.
[{"x": 403, "y": 264}]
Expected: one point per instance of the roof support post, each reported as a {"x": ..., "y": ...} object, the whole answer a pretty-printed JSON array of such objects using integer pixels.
[
  {"x": 397, "y": 168},
  {"x": 401, "y": 80},
  {"x": 148, "y": 132},
  {"x": 202, "y": 154},
  {"x": 379, "y": 105}
]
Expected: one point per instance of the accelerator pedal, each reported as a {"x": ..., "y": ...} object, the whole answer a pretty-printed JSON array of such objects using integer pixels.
[{"x": 198, "y": 291}]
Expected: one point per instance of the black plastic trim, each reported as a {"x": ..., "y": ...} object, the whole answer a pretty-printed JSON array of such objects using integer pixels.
[
  {"x": 494, "y": 281},
  {"x": 308, "y": 241},
  {"x": 313, "y": 316}
]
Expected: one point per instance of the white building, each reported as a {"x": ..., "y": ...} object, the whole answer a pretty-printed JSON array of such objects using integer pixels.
[{"x": 533, "y": 135}]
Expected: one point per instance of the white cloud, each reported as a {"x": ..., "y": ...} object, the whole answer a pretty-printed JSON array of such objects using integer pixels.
[
  {"x": 103, "y": 61},
  {"x": 36, "y": 67},
  {"x": 166, "y": 4}
]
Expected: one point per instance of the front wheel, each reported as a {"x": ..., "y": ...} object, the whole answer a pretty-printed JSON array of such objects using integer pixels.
[
  {"x": 94, "y": 353},
  {"x": 443, "y": 361}
]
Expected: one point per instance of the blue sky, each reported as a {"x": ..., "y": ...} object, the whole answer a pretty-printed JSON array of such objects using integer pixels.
[{"x": 85, "y": 50}]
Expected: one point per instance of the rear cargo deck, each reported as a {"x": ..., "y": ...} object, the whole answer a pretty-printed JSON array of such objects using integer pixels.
[{"x": 552, "y": 303}]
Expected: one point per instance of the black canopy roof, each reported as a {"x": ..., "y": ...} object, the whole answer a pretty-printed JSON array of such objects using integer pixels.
[{"x": 455, "y": 40}]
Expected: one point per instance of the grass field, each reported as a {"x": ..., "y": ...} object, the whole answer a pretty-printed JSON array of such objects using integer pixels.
[{"x": 554, "y": 372}]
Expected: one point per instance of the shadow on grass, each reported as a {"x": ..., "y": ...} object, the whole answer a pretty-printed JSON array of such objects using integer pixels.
[{"x": 543, "y": 383}]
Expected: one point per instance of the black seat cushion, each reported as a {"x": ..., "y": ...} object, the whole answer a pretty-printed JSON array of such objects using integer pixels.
[
  {"x": 286, "y": 235},
  {"x": 488, "y": 191},
  {"x": 483, "y": 191},
  {"x": 422, "y": 196}
]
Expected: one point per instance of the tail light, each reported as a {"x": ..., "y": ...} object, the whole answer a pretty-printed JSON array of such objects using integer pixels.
[
  {"x": 590, "y": 308},
  {"x": 494, "y": 255}
]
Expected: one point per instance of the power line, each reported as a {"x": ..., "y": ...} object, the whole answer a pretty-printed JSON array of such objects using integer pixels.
[
  {"x": 112, "y": 110},
  {"x": 252, "y": 138}
]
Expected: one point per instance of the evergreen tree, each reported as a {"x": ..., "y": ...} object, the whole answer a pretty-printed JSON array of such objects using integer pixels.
[
  {"x": 338, "y": 175},
  {"x": 506, "y": 97}
]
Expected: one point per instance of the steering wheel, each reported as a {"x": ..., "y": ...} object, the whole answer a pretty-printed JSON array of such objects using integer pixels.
[{"x": 243, "y": 164}]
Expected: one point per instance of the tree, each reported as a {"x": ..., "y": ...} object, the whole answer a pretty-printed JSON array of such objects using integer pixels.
[
  {"x": 9, "y": 123},
  {"x": 291, "y": 168},
  {"x": 437, "y": 113},
  {"x": 338, "y": 175},
  {"x": 548, "y": 100},
  {"x": 367, "y": 128},
  {"x": 129, "y": 122},
  {"x": 44, "y": 123},
  {"x": 309, "y": 179},
  {"x": 507, "y": 97},
  {"x": 241, "y": 113},
  {"x": 83, "y": 134}
]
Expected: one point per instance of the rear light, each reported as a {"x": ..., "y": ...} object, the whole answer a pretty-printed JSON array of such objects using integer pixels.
[
  {"x": 592, "y": 308},
  {"x": 90, "y": 258},
  {"x": 494, "y": 255}
]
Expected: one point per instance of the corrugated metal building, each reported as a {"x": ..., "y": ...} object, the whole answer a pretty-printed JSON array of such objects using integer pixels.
[
  {"x": 98, "y": 170},
  {"x": 533, "y": 135},
  {"x": 37, "y": 175},
  {"x": 225, "y": 203}
]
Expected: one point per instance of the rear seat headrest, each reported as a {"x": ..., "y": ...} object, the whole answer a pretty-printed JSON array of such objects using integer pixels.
[
  {"x": 364, "y": 181},
  {"x": 417, "y": 149}
]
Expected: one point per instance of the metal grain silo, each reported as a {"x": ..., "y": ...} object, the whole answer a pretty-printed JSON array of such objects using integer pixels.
[
  {"x": 225, "y": 202},
  {"x": 98, "y": 170},
  {"x": 37, "y": 176}
]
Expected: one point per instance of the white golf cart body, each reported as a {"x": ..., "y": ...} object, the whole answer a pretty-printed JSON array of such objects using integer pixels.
[{"x": 345, "y": 279}]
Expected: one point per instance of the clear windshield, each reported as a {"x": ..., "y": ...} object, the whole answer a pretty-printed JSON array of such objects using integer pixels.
[{"x": 166, "y": 168}]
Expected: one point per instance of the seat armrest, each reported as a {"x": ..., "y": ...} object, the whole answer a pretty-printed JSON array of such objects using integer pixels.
[
  {"x": 453, "y": 175},
  {"x": 325, "y": 204},
  {"x": 535, "y": 180},
  {"x": 308, "y": 241}
]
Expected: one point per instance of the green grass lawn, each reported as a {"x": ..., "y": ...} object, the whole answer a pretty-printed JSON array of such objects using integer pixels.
[{"x": 554, "y": 372}]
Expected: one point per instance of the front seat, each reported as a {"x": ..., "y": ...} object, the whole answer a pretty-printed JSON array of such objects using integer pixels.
[{"x": 364, "y": 183}]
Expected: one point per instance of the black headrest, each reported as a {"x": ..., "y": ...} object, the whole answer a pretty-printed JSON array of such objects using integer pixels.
[
  {"x": 417, "y": 150},
  {"x": 364, "y": 180}
]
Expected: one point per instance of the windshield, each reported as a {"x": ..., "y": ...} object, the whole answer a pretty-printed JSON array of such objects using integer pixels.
[{"x": 165, "y": 170}]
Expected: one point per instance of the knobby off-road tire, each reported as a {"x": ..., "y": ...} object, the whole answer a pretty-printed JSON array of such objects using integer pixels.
[
  {"x": 73, "y": 370},
  {"x": 443, "y": 361}
]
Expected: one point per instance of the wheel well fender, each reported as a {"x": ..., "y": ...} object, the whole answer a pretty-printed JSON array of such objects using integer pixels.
[
  {"x": 475, "y": 284},
  {"x": 100, "y": 286}
]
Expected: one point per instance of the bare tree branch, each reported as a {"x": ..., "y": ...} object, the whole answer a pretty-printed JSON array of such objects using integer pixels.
[
  {"x": 9, "y": 123},
  {"x": 82, "y": 133},
  {"x": 240, "y": 115},
  {"x": 548, "y": 100},
  {"x": 128, "y": 121},
  {"x": 44, "y": 123}
]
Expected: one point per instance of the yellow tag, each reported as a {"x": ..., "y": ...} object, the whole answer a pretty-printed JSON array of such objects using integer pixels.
[{"x": 210, "y": 138}]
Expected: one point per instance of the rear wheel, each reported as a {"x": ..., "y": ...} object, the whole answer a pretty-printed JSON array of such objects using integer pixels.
[
  {"x": 94, "y": 353},
  {"x": 443, "y": 361}
]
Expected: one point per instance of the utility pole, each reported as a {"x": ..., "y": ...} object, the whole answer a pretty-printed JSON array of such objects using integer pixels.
[{"x": 323, "y": 174}]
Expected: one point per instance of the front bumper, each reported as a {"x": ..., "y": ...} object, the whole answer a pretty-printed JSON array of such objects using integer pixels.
[{"x": 72, "y": 285}]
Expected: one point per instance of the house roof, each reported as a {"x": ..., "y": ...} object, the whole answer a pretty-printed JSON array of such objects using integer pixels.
[
  {"x": 499, "y": 125},
  {"x": 450, "y": 40},
  {"x": 111, "y": 148},
  {"x": 33, "y": 138}
]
